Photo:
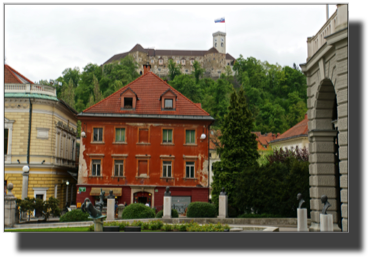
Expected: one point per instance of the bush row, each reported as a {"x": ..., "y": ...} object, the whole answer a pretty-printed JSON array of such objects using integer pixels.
[{"x": 159, "y": 225}]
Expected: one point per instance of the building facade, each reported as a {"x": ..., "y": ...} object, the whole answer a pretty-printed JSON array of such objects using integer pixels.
[
  {"x": 326, "y": 69},
  {"x": 296, "y": 136},
  {"x": 39, "y": 136},
  {"x": 141, "y": 139},
  {"x": 214, "y": 60}
]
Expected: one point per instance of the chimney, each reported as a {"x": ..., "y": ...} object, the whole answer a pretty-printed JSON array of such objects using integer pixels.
[{"x": 147, "y": 68}]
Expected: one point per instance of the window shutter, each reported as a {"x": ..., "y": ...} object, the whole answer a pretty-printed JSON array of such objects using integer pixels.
[
  {"x": 143, "y": 167},
  {"x": 143, "y": 138}
]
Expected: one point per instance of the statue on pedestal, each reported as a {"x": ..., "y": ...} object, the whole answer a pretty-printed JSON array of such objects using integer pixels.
[
  {"x": 223, "y": 192},
  {"x": 299, "y": 198},
  {"x": 111, "y": 196},
  {"x": 100, "y": 204},
  {"x": 326, "y": 204},
  {"x": 167, "y": 192},
  {"x": 90, "y": 209}
]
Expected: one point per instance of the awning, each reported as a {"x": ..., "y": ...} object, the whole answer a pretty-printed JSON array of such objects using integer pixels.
[{"x": 95, "y": 191}]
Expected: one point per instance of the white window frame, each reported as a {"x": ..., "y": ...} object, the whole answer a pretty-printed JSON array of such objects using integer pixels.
[
  {"x": 8, "y": 124},
  {"x": 119, "y": 164},
  {"x": 165, "y": 166},
  {"x": 190, "y": 165},
  {"x": 100, "y": 168}
]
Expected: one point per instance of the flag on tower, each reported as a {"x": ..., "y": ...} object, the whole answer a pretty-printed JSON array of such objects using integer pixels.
[{"x": 220, "y": 20}]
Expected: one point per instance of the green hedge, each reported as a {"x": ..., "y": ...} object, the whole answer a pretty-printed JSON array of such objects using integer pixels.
[
  {"x": 138, "y": 211},
  {"x": 201, "y": 210},
  {"x": 272, "y": 189},
  {"x": 161, "y": 213},
  {"x": 264, "y": 215},
  {"x": 74, "y": 216}
]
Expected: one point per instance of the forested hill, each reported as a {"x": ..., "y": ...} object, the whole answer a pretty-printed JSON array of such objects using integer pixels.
[{"x": 276, "y": 95}]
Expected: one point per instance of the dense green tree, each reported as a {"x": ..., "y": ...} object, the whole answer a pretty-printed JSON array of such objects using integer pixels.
[
  {"x": 174, "y": 69},
  {"x": 68, "y": 94},
  {"x": 238, "y": 147},
  {"x": 97, "y": 94},
  {"x": 187, "y": 86},
  {"x": 198, "y": 71}
]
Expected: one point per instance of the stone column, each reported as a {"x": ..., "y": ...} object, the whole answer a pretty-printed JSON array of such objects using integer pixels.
[
  {"x": 25, "y": 182},
  {"x": 10, "y": 207},
  {"x": 55, "y": 191},
  {"x": 120, "y": 209},
  {"x": 67, "y": 193},
  {"x": 167, "y": 210},
  {"x": 302, "y": 219},
  {"x": 223, "y": 205},
  {"x": 326, "y": 222},
  {"x": 71, "y": 196},
  {"x": 98, "y": 225},
  {"x": 322, "y": 175},
  {"x": 167, "y": 214},
  {"x": 111, "y": 207}
]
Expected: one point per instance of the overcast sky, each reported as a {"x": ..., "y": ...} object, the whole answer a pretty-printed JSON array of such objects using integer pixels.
[{"x": 43, "y": 40}]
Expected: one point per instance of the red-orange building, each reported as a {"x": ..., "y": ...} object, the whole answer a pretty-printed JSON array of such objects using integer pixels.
[{"x": 142, "y": 138}]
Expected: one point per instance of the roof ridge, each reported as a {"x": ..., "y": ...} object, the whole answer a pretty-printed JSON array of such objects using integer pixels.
[
  {"x": 115, "y": 92},
  {"x": 298, "y": 124},
  {"x": 180, "y": 93},
  {"x": 12, "y": 70}
]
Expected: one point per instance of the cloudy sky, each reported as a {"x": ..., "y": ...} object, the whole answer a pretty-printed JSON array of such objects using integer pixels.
[{"x": 43, "y": 40}]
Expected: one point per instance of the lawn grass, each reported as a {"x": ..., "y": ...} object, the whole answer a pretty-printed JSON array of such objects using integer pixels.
[{"x": 62, "y": 229}]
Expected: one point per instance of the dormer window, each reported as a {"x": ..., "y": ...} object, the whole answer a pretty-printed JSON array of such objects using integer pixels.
[
  {"x": 128, "y": 99},
  {"x": 191, "y": 62},
  {"x": 169, "y": 103},
  {"x": 161, "y": 62},
  {"x": 183, "y": 62},
  {"x": 168, "y": 100},
  {"x": 128, "y": 102}
]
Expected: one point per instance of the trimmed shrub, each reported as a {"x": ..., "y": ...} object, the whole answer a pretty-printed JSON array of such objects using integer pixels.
[
  {"x": 74, "y": 216},
  {"x": 252, "y": 215},
  {"x": 232, "y": 212},
  {"x": 137, "y": 211},
  {"x": 201, "y": 210},
  {"x": 161, "y": 213},
  {"x": 272, "y": 189}
]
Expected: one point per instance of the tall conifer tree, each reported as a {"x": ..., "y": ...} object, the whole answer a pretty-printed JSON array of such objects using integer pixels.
[{"x": 238, "y": 149}]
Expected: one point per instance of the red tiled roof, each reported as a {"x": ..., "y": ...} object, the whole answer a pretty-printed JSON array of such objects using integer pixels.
[
  {"x": 262, "y": 139},
  {"x": 300, "y": 129},
  {"x": 12, "y": 76},
  {"x": 148, "y": 87}
]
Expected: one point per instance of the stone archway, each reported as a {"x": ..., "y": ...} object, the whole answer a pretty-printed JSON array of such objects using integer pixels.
[
  {"x": 326, "y": 71},
  {"x": 324, "y": 174}
]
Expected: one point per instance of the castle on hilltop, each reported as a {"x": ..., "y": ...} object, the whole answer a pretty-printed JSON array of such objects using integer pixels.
[{"x": 214, "y": 60}]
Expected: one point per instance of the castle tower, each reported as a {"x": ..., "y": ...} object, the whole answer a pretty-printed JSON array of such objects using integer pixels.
[{"x": 219, "y": 41}]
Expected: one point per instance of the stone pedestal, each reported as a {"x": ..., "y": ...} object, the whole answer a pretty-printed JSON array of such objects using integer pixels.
[
  {"x": 110, "y": 209},
  {"x": 326, "y": 222},
  {"x": 98, "y": 225},
  {"x": 223, "y": 206},
  {"x": 10, "y": 207},
  {"x": 120, "y": 209},
  {"x": 73, "y": 207},
  {"x": 302, "y": 219},
  {"x": 167, "y": 211}
]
